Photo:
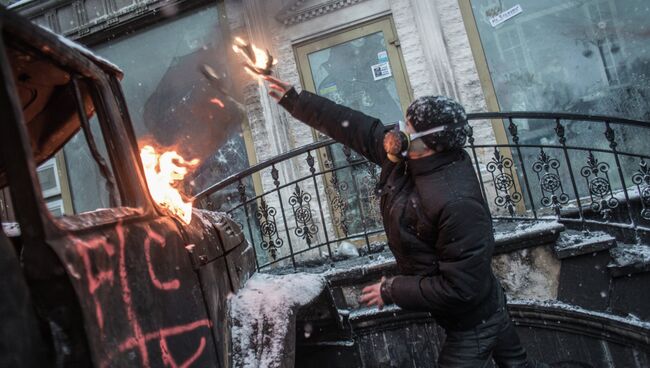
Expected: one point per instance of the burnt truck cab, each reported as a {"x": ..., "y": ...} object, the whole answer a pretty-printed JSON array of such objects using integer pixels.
[{"x": 127, "y": 285}]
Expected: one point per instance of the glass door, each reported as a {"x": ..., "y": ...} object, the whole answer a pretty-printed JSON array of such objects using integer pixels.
[{"x": 360, "y": 68}]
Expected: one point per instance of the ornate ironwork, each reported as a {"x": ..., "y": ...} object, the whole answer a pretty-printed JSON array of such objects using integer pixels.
[
  {"x": 560, "y": 131},
  {"x": 548, "y": 174},
  {"x": 611, "y": 137},
  {"x": 642, "y": 181},
  {"x": 507, "y": 195},
  {"x": 310, "y": 163},
  {"x": 271, "y": 241},
  {"x": 276, "y": 176},
  {"x": 338, "y": 202},
  {"x": 512, "y": 128},
  {"x": 343, "y": 190},
  {"x": 305, "y": 226},
  {"x": 241, "y": 188},
  {"x": 347, "y": 152},
  {"x": 372, "y": 213},
  {"x": 596, "y": 174}
]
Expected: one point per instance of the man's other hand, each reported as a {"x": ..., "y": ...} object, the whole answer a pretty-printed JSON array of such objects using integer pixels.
[
  {"x": 277, "y": 88},
  {"x": 371, "y": 295}
]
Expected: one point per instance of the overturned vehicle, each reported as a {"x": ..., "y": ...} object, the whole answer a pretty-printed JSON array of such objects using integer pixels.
[{"x": 126, "y": 282}]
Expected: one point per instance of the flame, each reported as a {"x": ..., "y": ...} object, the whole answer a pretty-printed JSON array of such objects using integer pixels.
[
  {"x": 258, "y": 61},
  {"x": 162, "y": 171}
]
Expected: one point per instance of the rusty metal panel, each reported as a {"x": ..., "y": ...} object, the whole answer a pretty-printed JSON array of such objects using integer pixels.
[
  {"x": 140, "y": 296},
  {"x": 231, "y": 233},
  {"x": 204, "y": 242},
  {"x": 241, "y": 265}
]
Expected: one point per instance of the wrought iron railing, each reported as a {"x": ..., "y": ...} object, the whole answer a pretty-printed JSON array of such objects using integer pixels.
[{"x": 582, "y": 169}]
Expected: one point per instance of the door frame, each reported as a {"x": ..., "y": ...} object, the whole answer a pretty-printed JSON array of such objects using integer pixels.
[
  {"x": 302, "y": 50},
  {"x": 498, "y": 125}
]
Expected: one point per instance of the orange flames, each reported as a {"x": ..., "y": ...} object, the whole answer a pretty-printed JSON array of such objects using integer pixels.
[
  {"x": 258, "y": 61},
  {"x": 162, "y": 172}
]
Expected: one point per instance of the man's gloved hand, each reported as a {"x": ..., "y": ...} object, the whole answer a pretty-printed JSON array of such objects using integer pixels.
[
  {"x": 277, "y": 88},
  {"x": 371, "y": 295}
]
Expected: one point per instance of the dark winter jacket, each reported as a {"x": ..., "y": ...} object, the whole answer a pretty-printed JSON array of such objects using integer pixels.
[{"x": 437, "y": 223}]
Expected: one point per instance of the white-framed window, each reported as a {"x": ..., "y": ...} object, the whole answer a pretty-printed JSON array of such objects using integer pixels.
[
  {"x": 48, "y": 176},
  {"x": 55, "y": 207}
]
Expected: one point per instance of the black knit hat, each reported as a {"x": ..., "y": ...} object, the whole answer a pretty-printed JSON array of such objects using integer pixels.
[{"x": 428, "y": 112}]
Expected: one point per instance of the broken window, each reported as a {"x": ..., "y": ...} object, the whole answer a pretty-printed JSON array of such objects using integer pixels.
[{"x": 60, "y": 112}]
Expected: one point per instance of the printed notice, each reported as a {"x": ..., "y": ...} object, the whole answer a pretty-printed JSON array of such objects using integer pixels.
[
  {"x": 381, "y": 71},
  {"x": 382, "y": 56},
  {"x": 508, "y": 14}
]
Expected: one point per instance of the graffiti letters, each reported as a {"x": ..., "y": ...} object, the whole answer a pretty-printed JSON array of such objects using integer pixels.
[{"x": 102, "y": 260}]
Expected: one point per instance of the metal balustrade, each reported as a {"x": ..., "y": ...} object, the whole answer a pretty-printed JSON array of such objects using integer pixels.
[{"x": 584, "y": 170}]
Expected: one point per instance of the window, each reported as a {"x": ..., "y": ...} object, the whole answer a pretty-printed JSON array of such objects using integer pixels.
[
  {"x": 75, "y": 172},
  {"x": 587, "y": 57},
  {"x": 360, "y": 68},
  {"x": 583, "y": 56},
  {"x": 174, "y": 106}
]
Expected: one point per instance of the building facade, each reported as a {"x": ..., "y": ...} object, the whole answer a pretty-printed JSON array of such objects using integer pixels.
[{"x": 581, "y": 56}]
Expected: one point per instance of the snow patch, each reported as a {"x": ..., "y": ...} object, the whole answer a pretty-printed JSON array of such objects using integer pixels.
[
  {"x": 629, "y": 255},
  {"x": 347, "y": 250},
  {"x": 263, "y": 317},
  {"x": 528, "y": 273},
  {"x": 11, "y": 229},
  {"x": 528, "y": 228}
]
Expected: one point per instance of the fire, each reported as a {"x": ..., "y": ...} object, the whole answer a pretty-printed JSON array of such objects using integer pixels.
[
  {"x": 258, "y": 61},
  {"x": 162, "y": 172}
]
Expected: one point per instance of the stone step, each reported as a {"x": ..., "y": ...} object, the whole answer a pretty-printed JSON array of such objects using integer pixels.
[
  {"x": 628, "y": 259},
  {"x": 572, "y": 243},
  {"x": 514, "y": 235}
]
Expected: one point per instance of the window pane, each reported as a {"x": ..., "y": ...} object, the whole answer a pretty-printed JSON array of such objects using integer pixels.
[
  {"x": 586, "y": 57},
  {"x": 173, "y": 105},
  {"x": 358, "y": 74},
  {"x": 589, "y": 56}
]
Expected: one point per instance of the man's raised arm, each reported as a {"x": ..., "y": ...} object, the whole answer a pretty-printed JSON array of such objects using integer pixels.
[{"x": 360, "y": 132}]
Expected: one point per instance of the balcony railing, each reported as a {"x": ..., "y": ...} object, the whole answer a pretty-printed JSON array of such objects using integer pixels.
[{"x": 587, "y": 171}]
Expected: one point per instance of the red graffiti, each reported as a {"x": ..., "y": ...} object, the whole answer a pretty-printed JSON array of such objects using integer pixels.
[
  {"x": 168, "y": 285},
  {"x": 169, "y": 360},
  {"x": 102, "y": 276},
  {"x": 99, "y": 272},
  {"x": 126, "y": 297}
]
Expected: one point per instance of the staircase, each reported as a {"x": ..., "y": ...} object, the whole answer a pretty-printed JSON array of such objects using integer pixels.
[{"x": 576, "y": 297}]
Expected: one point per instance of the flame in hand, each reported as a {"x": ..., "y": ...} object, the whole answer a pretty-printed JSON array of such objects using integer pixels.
[
  {"x": 162, "y": 172},
  {"x": 257, "y": 61}
]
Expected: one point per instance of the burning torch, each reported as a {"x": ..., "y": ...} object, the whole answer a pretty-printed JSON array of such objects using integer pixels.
[{"x": 257, "y": 62}]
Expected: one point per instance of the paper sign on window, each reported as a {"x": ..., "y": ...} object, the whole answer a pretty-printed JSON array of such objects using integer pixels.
[
  {"x": 508, "y": 14},
  {"x": 381, "y": 71}
]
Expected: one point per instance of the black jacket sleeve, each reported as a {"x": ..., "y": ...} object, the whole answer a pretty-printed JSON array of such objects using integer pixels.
[
  {"x": 464, "y": 247},
  {"x": 360, "y": 132}
]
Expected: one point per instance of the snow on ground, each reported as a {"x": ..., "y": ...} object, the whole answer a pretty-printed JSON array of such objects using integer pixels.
[
  {"x": 263, "y": 317},
  {"x": 627, "y": 255}
]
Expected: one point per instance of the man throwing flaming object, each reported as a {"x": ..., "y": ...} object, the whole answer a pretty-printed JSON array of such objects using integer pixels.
[{"x": 438, "y": 225}]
